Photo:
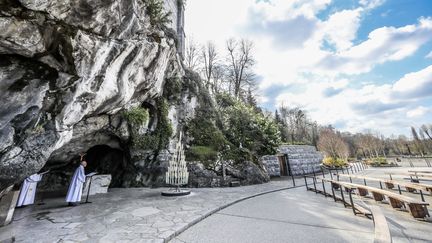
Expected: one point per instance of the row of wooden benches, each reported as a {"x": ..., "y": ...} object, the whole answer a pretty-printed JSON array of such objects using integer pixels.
[
  {"x": 390, "y": 184},
  {"x": 381, "y": 229},
  {"x": 414, "y": 176},
  {"x": 417, "y": 208}
]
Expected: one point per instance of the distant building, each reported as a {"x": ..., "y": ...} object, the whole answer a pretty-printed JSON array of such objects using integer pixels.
[{"x": 177, "y": 7}]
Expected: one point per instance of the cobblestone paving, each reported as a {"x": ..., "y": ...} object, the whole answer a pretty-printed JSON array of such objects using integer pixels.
[{"x": 125, "y": 215}]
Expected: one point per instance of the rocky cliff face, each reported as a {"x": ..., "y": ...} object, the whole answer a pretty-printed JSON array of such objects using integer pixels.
[{"x": 67, "y": 70}]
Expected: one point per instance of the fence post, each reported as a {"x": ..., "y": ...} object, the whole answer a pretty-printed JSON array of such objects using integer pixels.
[
  {"x": 342, "y": 195},
  {"x": 293, "y": 180},
  {"x": 422, "y": 197},
  {"x": 314, "y": 182},
  {"x": 333, "y": 193},
  {"x": 324, "y": 190},
  {"x": 304, "y": 176},
  {"x": 352, "y": 202}
]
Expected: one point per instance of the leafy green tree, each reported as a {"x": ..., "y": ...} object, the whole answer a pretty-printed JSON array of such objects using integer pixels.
[{"x": 246, "y": 128}]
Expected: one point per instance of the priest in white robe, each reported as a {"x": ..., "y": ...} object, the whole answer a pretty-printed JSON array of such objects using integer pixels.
[
  {"x": 76, "y": 186},
  {"x": 28, "y": 190}
]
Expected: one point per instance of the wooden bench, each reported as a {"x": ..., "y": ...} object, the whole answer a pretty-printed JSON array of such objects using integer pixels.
[
  {"x": 412, "y": 174},
  {"x": 390, "y": 184},
  {"x": 421, "y": 171},
  {"x": 418, "y": 209},
  {"x": 357, "y": 208},
  {"x": 382, "y": 231},
  {"x": 420, "y": 174}
]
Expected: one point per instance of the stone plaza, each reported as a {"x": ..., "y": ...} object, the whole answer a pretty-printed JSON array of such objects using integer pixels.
[{"x": 271, "y": 212}]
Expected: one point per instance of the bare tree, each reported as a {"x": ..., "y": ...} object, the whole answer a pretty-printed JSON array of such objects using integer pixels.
[
  {"x": 427, "y": 130},
  {"x": 192, "y": 58},
  {"x": 240, "y": 63},
  {"x": 332, "y": 144},
  {"x": 219, "y": 75},
  {"x": 296, "y": 127},
  {"x": 418, "y": 142},
  {"x": 208, "y": 56},
  {"x": 370, "y": 145}
]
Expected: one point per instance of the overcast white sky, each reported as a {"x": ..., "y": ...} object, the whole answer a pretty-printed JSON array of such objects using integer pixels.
[{"x": 357, "y": 65}]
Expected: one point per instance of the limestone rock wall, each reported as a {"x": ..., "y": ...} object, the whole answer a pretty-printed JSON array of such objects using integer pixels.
[{"x": 67, "y": 68}]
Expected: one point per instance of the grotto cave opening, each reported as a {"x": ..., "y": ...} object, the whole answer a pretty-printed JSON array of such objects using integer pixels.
[{"x": 104, "y": 159}]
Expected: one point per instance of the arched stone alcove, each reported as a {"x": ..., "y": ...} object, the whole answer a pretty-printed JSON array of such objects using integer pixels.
[{"x": 107, "y": 160}]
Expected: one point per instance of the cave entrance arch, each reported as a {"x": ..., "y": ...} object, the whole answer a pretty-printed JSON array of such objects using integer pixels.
[{"x": 107, "y": 160}]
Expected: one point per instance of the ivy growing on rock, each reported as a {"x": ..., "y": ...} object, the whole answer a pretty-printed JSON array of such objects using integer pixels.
[
  {"x": 136, "y": 116},
  {"x": 156, "y": 11},
  {"x": 232, "y": 129},
  {"x": 160, "y": 137}
]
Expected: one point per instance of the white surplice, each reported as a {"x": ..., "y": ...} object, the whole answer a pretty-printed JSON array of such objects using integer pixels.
[
  {"x": 28, "y": 190},
  {"x": 76, "y": 185}
]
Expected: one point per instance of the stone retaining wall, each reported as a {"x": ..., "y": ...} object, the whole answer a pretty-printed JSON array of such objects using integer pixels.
[
  {"x": 271, "y": 163},
  {"x": 302, "y": 158}
]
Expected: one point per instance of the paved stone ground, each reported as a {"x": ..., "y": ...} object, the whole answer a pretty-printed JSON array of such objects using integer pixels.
[
  {"x": 143, "y": 215},
  {"x": 286, "y": 216},
  {"x": 125, "y": 215},
  {"x": 299, "y": 216}
]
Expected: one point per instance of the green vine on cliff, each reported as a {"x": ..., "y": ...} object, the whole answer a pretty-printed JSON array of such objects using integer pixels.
[
  {"x": 156, "y": 11},
  {"x": 160, "y": 137},
  {"x": 136, "y": 116}
]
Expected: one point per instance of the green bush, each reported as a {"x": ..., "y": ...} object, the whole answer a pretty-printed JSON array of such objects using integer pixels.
[
  {"x": 236, "y": 130},
  {"x": 245, "y": 126},
  {"x": 136, "y": 116},
  {"x": 334, "y": 162},
  {"x": 206, "y": 155},
  {"x": 225, "y": 100},
  {"x": 379, "y": 161}
]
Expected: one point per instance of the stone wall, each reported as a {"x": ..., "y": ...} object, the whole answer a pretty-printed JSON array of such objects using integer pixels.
[
  {"x": 302, "y": 158},
  {"x": 271, "y": 163}
]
